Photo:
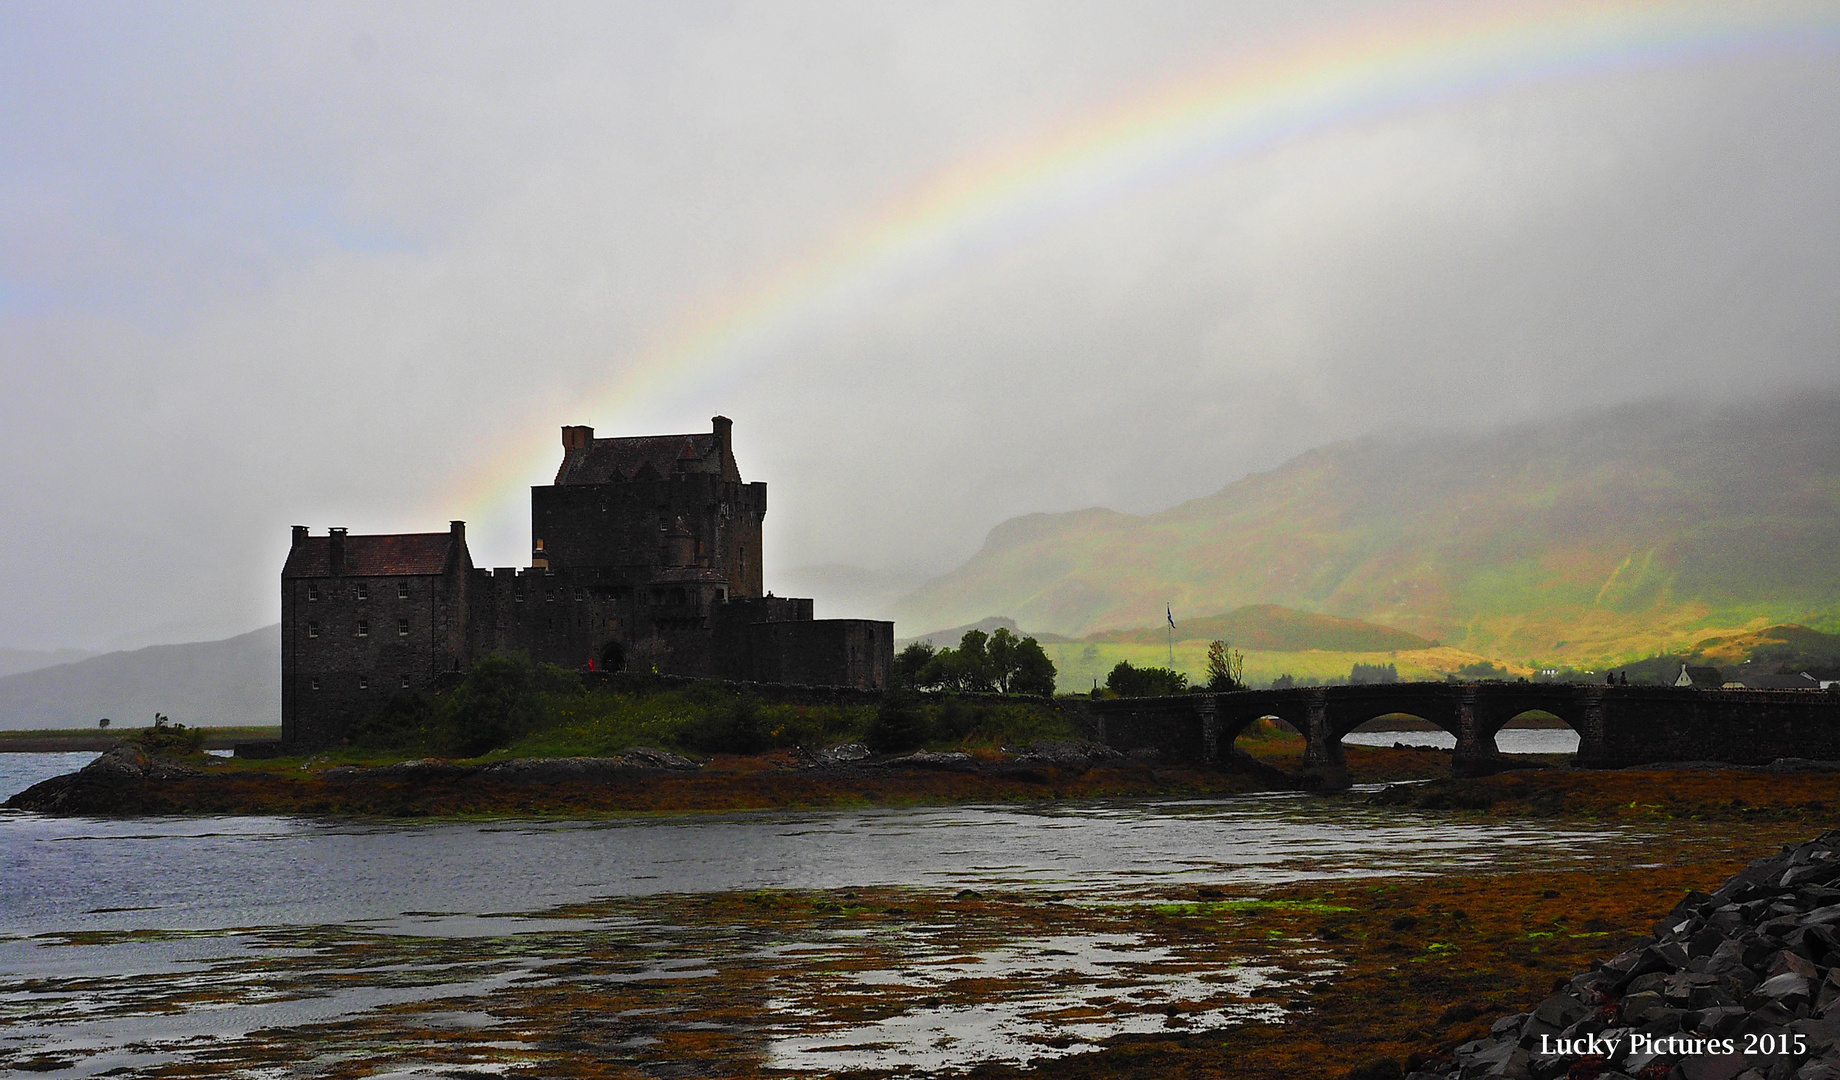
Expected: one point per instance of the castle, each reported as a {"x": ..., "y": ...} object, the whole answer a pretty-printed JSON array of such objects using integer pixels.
[{"x": 644, "y": 551}]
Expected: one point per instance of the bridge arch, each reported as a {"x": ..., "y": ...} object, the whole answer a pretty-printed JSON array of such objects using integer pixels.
[{"x": 1473, "y": 713}]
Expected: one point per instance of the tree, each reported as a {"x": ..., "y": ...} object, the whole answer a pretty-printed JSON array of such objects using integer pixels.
[
  {"x": 1226, "y": 668},
  {"x": 1034, "y": 671},
  {"x": 910, "y": 664},
  {"x": 103, "y": 723},
  {"x": 1362, "y": 674},
  {"x": 975, "y": 671},
  {"x": 1128, "y": 681},
  {"x": 966, "y": 668},
  {"x": 1019, "y": 666}
]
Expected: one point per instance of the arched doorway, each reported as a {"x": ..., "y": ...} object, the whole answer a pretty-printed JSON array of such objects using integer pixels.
[{"x": 613, "y": 657}]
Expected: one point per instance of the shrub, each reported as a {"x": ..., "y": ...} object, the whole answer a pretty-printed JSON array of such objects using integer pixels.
[
  {"x": 1128, "y": 681},
  {"x": 900, "y": 724},
  {"x": 167, "y": 739}
]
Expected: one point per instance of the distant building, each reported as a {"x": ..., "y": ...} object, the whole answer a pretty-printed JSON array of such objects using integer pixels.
[
  {"x": 1766, "y": 681},
  {"x": 643, "y": 550},
  {"x": 1706, "y": 678}
]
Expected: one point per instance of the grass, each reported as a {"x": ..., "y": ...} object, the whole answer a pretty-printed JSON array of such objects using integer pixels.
[
  {"x": 1079, "y": 663},
  {"x": 53, "y": 739}
]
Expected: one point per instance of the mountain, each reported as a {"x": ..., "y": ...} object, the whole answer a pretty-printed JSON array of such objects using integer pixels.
[
  {"x": 949, "y": 638},
  {"x": 1614, "y": 533},
  {"x": 1270, "y": 628},
  {"x": 849, "y": 592},
  {"x": 14, "y": 661},
  {"x": 231, "y": 682}
]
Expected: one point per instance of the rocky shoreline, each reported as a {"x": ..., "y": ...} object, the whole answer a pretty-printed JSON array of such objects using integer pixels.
[
  {"x": 127, "y": 780},
  {"x": 1742, "y": 984}
]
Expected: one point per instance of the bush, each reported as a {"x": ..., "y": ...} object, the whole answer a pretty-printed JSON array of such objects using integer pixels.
[
  {"x": 502, "y": 698},
  {"x": 900, "y": 724},
  {"x": 982, "y": 663},
  {"x": 1226, "y": 668},
  {"x": 167, "y": 739},
  {"x": 1362, "y": 674},
  {"x": 407, "y": 721},
  {"x": 732, "y": 726},
  {"x": 1128, "y": 681}
]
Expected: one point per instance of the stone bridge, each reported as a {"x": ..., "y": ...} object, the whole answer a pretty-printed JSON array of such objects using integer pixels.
[{"x": 1616, "y": 725}]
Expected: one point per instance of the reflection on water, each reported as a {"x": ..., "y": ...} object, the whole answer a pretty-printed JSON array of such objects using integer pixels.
[
  {"x": 927, "y": 938},
  {"x": 20, "y": 771},
  {"x": 1508, "y": 740},
  {"x": 217, "y": 873}
]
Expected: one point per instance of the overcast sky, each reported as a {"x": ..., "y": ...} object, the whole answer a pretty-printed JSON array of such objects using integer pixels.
[{"x": 943, "y": 263}]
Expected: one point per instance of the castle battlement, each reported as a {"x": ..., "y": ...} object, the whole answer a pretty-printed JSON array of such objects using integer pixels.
[{"x": 644, "y": 549}]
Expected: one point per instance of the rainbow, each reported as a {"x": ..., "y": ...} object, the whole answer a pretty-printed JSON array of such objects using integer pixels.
[{"x": 1227, "y": 110}]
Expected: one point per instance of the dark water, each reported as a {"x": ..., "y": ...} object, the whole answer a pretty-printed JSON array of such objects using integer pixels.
[{"x": 141, "y": 944}]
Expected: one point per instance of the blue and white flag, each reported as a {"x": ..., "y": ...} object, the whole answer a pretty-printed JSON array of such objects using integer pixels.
[{"x": 1167, "y": 614}]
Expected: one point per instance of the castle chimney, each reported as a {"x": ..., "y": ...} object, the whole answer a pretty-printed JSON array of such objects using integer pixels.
[
  {"x": 300, "y": 535},
  {"x": 457, "y": 529},
  {"x": 724, "y": 429},
  {"x": 336, "y": 549},
  {"x": 574, "y": 437}
]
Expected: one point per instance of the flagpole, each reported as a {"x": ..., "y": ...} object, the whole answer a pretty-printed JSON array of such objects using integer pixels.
[{"x": 1170, "y": 633}]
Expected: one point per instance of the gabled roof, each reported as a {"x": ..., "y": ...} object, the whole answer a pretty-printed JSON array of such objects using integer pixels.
[
  {"x": 373, "y": 556},
  {"x": 645, "y": 457}
]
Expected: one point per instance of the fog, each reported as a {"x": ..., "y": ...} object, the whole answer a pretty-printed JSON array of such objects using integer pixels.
[{"x": 942, "y": 263}]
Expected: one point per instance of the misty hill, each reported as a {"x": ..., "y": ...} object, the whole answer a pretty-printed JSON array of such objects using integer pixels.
[
  {"x": 231, "y": 682},
  {"x": 1618, "y": 532},
  {"x": 847, "y": 592},
  {"x": 1270, "y": 628},
  {"x": 14, "y": 661},
  {"x": 949, "y": 638}
]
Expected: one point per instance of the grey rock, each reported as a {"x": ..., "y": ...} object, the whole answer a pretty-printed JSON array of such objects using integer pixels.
[
  {"x": 1711, "y": 1066},
  {"x": 950, "y": 760},
  {"x": 1069, "y": 755},
  {"x": 556, "y": 770},
  {"x": 129, "y": 763},
  {"x": 1786, "y": 986},
  {"x": 424, "y": 769},
  {"x": 1638, "y": 1007},
  {"x": 845, "y": 754}
]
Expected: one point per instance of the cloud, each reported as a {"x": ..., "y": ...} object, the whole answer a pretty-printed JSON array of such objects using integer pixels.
[{"x": 354, "y": 265}]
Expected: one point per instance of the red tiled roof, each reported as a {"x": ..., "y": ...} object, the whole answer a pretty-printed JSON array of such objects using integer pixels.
[
  {"x": 372, "y": 556},
  {"x": 604, "y": 461}
]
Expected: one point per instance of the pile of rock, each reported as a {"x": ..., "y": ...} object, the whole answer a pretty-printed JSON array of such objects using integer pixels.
[
  {"x": 1740, "y": 985},
  {"x": 1076, "y": 756},
  {"x": 99, "y": 786}
]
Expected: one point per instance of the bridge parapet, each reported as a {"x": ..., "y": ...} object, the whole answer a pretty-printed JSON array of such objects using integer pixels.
[{"x": 1616, "y": 725}]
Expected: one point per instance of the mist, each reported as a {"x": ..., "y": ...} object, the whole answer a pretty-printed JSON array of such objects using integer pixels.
[{"x": 355, "y": 265}]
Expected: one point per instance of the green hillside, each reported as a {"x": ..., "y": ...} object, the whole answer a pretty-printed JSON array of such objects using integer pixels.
[
  {"x": 1270, "y": 628},
  {"x": 1612, "y": 534}
]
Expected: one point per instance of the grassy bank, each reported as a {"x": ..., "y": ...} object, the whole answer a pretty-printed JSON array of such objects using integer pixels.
[
  {"x": 1735, "y": 796},
  {"x": 52, "y": 740}
]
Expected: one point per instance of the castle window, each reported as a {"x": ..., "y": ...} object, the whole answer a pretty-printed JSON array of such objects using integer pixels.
[
  {"x": 313, "y": 683},
  {"x": 518, "y": 597},
  {"x": 312, "y": 591},
  {"x": 402, "y": 627},
  {"x": 313, "y": 629},
  {"x": 364, "y": 591},
  {"x": 550, "y": 597},
  {"x": 580, "y": 594},
  {"x": 405, "y": 682},
  {"x": 402, "y": 590},
  {"x": 364, "y": 682},
  {"x": 364, "y": 628}
]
